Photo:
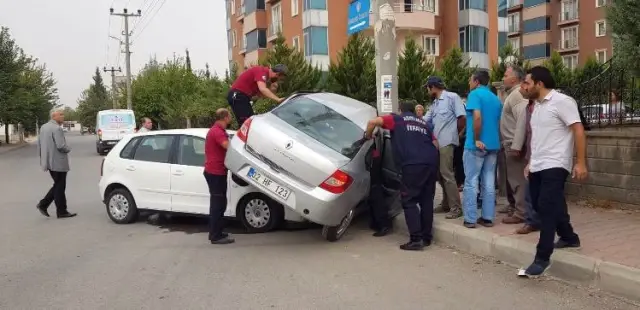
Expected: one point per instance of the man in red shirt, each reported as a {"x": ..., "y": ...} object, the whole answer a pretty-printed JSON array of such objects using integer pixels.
[
  {"x": 215, "y": 149},
  {"x": 250, "y": 83}
]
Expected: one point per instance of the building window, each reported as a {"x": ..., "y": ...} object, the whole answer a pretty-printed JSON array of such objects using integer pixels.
[
  {"x": 314, "y": 5},
  {"x": 512, "y": 3},
  {"x": 294, "y": 7},
  {"x": 570, "y": 61},
  {"x": 472, "y": 5},
  {"x": 431, "y": 46},
  {"x": 601, "y": 56},
  {"x": 244, "y": 42},
  {"x": 231, "y": 7},
  {"x": 513, "y": 22},
  {"x": 256, "y": 39},
  {"x": 428, "y": 5},
  {"x": 515, "y": 44},
  {"x": 296, "y": 43},
  {"x": 569, "y": 38},
  {"x": 601, "y": 3},
  {"x": 474, "y": 39},
  {"x": 234, "y": 38},
  {"x": 530, "y": 3},
  {"x": 541, "y": 23},
  {"x": 502, "y": 39},
  {"x": 276, "y": 20},
  {"x": 316, "y": 41},
  {"x": 536, "y": 51},
  {"x": 601, "y": 28},
  {"x": 251, "y": 6},
  {"x": 569, "y": 10},
  {"x": 502, "y": 8}
]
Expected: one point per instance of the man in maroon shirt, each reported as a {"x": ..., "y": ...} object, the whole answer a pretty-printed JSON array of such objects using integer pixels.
[
  {"x": 251, "y": 83},
  {"x": 215, "y": 149}
]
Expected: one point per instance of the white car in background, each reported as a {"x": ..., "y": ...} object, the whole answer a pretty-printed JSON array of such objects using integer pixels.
[{"x": 162, "y": 171}]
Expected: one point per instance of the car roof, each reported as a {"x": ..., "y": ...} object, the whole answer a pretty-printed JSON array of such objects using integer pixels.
[
  {"x": 351, "y": 108},
  {"x": 198, "y": 132}
]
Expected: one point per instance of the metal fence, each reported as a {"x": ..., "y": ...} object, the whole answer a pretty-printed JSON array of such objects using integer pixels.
[{"x": 610, "y": 98}]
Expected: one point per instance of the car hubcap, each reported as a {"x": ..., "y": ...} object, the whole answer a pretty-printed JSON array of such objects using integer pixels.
[
  {"x": 118, "y": 206},
  {"x": 257, "y": 213},
  {"x": 346, "y": 221}
]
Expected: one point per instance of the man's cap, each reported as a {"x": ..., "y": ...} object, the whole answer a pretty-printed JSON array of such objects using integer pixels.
[
  {"x": 280, "y": 69},
  {"x": 434, "y": 81}
]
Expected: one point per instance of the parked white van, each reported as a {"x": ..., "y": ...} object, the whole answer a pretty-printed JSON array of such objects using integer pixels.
[{"x": 111, "y": 126}]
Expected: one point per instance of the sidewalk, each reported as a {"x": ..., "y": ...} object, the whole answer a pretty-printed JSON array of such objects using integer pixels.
[
  {"x": 16, "y": 145},
  {"x": 609, "y": 258}
]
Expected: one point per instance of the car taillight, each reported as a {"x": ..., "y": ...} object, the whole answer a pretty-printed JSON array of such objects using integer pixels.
[
  {"x": 243, "y": 133},
  {"x": 102, "y": 167},
  {"x": 337, "y": 183},
  {"x": 99, "y": 133}
]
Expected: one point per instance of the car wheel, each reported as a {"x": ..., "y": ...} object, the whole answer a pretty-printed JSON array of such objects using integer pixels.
[
  {"x": 335, "y": 233},
  {"x": 121, "y": 207},
  {"x": 259, "y": 214}
]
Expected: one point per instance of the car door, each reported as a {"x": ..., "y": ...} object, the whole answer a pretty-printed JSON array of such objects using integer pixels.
[
  {"x": 189, "y": 190},
  {"x": 391, "y": 175},
  {"x": 149, "y": 172}
]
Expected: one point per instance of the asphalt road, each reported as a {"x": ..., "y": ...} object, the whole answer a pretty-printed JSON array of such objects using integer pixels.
[{"x": 88, "y": 262}]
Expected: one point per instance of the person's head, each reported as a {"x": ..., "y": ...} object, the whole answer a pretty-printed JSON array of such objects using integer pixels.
[
  {"x": 57, "y": 115},
  {"x": 434, "y": 86},
  {"x": 147, "y": 123},
  {"x": 478, "y": 78},
  {"x": 223, "y": 117},
  {"x": 614, "y": 96},
  {"x": 419, "y": 110},
  {"x": 464, "y": 98},
  {"x": 513, "y": 76},
  {"x": 277, "y": 72},
  {"x": 538, "y": 81},
  {"x": 407, "y": 106}
]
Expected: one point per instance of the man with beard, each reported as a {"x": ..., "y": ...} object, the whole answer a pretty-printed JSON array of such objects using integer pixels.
[
  {"x": 250, "y": 83},
  {"x": 555, "y": 127},
  {"x": 447, "y": 115}
]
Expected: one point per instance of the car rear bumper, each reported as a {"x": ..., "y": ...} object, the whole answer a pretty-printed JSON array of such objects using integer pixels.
[
  {"x": 314, "y": 204},
  {"x": 107, "y": 144}
]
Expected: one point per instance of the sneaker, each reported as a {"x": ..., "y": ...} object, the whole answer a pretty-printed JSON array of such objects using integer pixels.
[
  {"x": 412, "y": 246},
  {"x": 510, "y": 220},
  {"x": 453, "y": 215},
  {"x": 485, "y": 223},
  {"x": 526, "y": 229},
  {"x": 223, "y": 240},
  {"x": 469, "y": 225},
  {"x": 536, "y": 269},
  {"x": 561, "y": 244}
]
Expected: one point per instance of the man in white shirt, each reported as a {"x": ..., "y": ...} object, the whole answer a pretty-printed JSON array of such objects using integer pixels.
[
  {"x": 146, "y": 125},
  {"x": 555, "y": 127}
]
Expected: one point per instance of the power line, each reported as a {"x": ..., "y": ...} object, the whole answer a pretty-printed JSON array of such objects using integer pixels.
[
  {"x": 150, "y": 19},
  {"x": 147, "y": 7}
]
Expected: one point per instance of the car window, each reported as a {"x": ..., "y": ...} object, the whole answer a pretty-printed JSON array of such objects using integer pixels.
[
  {"x": 191, "y": 151},
  {"x": 322, "y": 124},
  {"x": 127, "y": 151},
  {"x": 154, "y": 149}
]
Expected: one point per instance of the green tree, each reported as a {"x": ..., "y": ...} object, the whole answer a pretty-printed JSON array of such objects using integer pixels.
[
  {"x": 92, "y": 100},
  {"x": 588, "y": 71},
  {"x": 354, "y": 73},
  {"x": 455, "y": 71},
  {"x": 231, "y": 74},
  {"x": 413, "y": 71},
  {"x": 561, "y": 74},
  {"x": 622, "y": 19},
  {"x": 507, "y": 56}
]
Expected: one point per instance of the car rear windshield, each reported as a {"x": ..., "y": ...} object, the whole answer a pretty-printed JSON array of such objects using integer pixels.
[{"x": 322, "y": 124}]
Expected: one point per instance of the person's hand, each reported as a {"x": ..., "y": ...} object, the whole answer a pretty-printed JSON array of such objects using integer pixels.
[
  {"x": 526, "y": 172},
  {"x": 280, "y": 100},
  {"x": 368, "y": 136},
  {"x": 480, "y": 145},
  {"x": 514, "y": 153},
  {"x": 579, "y": 172},
  {"x": 274, "y": 87}
]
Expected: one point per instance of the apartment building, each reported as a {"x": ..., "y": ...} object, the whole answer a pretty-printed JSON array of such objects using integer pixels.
[
  {"x": 576, "y": 29},
  {"x": 319, "y": 27}
]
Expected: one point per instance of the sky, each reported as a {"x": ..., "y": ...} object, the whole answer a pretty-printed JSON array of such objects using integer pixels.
[{"x": 72, "y": 36}]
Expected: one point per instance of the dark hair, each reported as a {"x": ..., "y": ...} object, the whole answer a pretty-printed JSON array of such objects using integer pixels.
[
  {"x": 518, "y": 72},
  {"x": 408, "y": 106},
  {"x": 482, "y": 77},
  {"x": 543, "y": 75},
  {"x": 221, "y": 114}
]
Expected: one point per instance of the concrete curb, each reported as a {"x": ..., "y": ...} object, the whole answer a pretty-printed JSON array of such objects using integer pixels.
[
  {"x": 6, "y": 149},
  {"x": 566, "y": 265}
]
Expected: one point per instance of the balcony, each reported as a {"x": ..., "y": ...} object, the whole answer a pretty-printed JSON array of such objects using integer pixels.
[
  {"x": 271, "y": 1},
  {"x": 514, "y": 5},
  {"x": 240, "y": 13},
  {"x": 568, "y": 17},
  {"x": 274, "y": 29},
  {"x": 412, "y": 16},
  {"x": 568, "y": 44}
]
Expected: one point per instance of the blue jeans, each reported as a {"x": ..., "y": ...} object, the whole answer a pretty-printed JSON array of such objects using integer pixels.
[
  {"x": 531, "y": 218},
  {"x": 479, "y": 165}
]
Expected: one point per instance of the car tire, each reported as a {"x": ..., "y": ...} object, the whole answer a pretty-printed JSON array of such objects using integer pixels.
[
  {"x": 121, "y": 207},
  {"x": 259, "y": 213},
  {"x": 335, "y": 233}
]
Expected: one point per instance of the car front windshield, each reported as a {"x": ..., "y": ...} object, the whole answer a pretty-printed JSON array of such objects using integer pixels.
[{"x": 323, "y": 124}]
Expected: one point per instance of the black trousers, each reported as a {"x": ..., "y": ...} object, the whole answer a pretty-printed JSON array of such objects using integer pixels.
[
  {"x": 418, "y": 192},
  {"x": 240, "y": 104},
  {"x": 378, "y": 207},
  {"x": 56, "y": 193},
  {"x": 547, "y": 198},
  {"x": 217, "y": 204},
  {"x": 458, "y": 166}
]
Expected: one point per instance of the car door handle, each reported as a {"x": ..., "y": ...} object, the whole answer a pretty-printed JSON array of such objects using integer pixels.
[
  {"x": 131, "y": 168},
  {"x": 178, "y": 172}
]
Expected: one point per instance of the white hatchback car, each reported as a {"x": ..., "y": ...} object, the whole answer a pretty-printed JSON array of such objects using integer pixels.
[{"x": 163, "y": 171}]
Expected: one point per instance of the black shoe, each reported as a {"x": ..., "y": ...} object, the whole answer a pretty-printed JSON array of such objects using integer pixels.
[
  {"x": 223, "y": 240},
  {"x": 561, "y": 244},
  {"x": 66, "y": 215},
  {"x": 536, "y": 269},
  {"x": 485, "y": 223},
  {"x": 469, "y": 225},
  {"x": 42, "y": 210},
  {"x": 382, "y": 232},
  {"x": 412, "y": 246},
  {"x": 426, "y": 243}
]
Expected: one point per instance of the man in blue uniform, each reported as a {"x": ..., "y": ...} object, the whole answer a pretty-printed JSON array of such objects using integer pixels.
[{"x": 415, "y": 152}]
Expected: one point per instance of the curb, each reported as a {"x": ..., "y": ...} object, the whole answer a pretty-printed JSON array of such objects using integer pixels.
[
  {"x": 5, "y": 149},
  {"x": 571, "y": 266}
]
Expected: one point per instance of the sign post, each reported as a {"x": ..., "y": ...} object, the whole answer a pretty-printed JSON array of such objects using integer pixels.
[{"x": 358, "y": 16}]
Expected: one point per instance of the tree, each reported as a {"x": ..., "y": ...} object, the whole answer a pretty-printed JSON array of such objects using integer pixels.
[
  {"x": 70, "y": 114},
  {"x": 622, "y": 18},
  {"x": 507, "y": 56},
  {"x": 455, "y": 71},
  {"x": 354, "y": 72},
  {"x": 92, "y": 100},
  {"x": 590, "y": 70},
  {"x": 560, "y": 73},
  {"x": 413, "y": 71},
  {"x": 231, "y": 74}
]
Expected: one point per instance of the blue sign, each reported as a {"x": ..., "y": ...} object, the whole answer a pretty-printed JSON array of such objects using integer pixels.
[{"x": 358, "y": 16}]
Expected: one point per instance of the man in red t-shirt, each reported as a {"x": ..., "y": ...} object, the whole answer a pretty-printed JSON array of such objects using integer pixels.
[
  {"x": 215, "y": 149},
  {"x": 253, "y": 82}
]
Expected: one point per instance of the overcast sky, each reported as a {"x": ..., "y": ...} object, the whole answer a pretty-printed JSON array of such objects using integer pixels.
[{"x": 72, "y": 36}]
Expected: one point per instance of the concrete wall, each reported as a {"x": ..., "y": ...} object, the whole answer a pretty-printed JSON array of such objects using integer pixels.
[{"x": 613, "y": 158}]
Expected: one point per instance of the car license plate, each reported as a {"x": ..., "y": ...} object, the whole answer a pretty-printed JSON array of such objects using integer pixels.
[{"x": 269, "y": 184}]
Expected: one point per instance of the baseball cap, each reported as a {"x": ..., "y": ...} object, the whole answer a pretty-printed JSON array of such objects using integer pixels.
[
  {"x": 434, "y": 81},
  {"x": 280, "y": 69}
]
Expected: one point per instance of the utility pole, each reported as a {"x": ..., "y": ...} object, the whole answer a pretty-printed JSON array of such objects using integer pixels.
[
  {"x": 113, "y": 85},
  {"x": 384, "y": 29},
  {"x": 127, "y": 51}
]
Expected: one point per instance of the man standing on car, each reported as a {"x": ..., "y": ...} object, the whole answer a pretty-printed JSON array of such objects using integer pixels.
[
  {"x": 415, "y": 151},
  {"x": 215, "y": 173},
  {"x": 251, "y": 83},
  {"x": 447, "y": 115}
]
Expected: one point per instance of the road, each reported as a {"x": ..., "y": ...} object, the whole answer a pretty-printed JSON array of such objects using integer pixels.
[{"x": 88, "y": 262}]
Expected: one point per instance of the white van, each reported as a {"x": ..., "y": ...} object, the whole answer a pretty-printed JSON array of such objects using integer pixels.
[{"x": 112, "y": 126}]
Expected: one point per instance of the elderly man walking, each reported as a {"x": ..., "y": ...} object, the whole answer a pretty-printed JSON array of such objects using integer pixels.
[
  {"x": 54, "y": 158},
  {"x": 513, "y": 127}
]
